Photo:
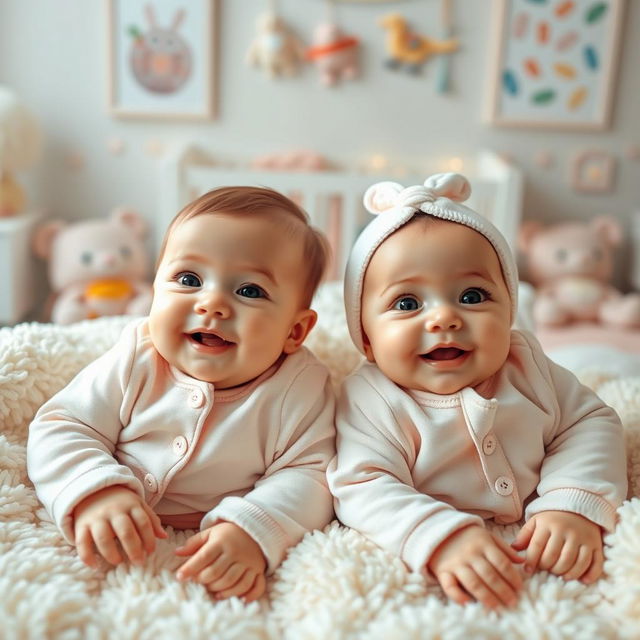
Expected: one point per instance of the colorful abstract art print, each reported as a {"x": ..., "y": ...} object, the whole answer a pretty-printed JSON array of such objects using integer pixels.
[
  {"x": 554, "y": 62},
  {"x": 162, "y": 58}
]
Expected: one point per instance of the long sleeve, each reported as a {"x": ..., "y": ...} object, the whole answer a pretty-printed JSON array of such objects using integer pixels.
[
  {"x": 291, "y": 497},
  {"x": 372, "y": 482},
  {"x": 584, "y": 467},
  {"x": 73, "y": 436}
]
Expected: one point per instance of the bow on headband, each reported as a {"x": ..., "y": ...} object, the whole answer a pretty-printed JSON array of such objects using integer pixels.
[{"x": 384, "y": 196}]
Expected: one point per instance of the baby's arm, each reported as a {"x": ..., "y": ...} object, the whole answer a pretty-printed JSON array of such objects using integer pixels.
[
  {"x": 111, "y": 518},
  {"x": 472, "y": 563},
  {"x": 227, "y": 560},
  {"x": 564, "y": 543},
  {"x": 291, "y": 497},
  {"x": 584, "y": 466},
  {"x": 73, "y": 437}
]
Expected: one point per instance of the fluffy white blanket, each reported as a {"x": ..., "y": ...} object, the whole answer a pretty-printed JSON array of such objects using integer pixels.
[{"x": 334, "y": 584}]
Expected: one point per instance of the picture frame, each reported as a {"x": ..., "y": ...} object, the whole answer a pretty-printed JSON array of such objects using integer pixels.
[
  {"x": 553, "y": 64},
  {"x": 162, "y": 58}
]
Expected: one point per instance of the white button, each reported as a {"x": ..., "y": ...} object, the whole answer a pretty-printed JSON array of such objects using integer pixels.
[
  {"x": 504, "y": 486},
  {"x": 179, "y": 445},
  {"x": 151, "y": 483},
  {"x": 489, "y": 444},
  {"x": 196, "y": 398}
]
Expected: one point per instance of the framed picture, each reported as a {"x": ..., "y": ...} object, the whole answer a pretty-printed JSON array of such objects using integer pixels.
[
  {"x": 162, "y": 58},
  {"x": 554, "y": 62}
]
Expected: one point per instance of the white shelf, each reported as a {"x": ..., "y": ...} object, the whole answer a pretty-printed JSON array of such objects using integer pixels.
[{"x": 17, "y": 286}]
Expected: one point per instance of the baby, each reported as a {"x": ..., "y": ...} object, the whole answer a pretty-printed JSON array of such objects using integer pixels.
[
  {"x": 209, "y": 413},
  {"x": 457, "y": 418}
]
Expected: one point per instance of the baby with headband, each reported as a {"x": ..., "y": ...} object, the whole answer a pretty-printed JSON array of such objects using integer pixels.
[{"x": 456, "y": 418}]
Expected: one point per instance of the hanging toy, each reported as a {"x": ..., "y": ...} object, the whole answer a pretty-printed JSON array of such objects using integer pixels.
[
  {"x": 334, "y": 53},
  {"x": 275, "y": 48},
  {"x": 443, "y": 80},
  {"x": 409, "y": 49}
]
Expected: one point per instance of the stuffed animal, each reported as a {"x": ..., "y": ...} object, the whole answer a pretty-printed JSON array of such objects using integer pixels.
[
  {"x": 275, "y": 48},
  {"x": 335, "y": 54},
  {"x": 571, "y": 265},
  {"x": 96, "y": 267}
]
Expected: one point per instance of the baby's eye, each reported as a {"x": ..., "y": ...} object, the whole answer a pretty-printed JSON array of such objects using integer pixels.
[
  {"x": 406, "y": 303},
  {"x": 561, "y": 255},
  {"x": 86, "y": 257},
  {"x": 125, "y": 252},
  {"x": 188, "y": 280},
  {"x": 474, "y": 295},
  {"x": 251, "y": 291}
]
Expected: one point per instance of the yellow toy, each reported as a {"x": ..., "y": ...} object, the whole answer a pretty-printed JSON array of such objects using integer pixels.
[{"x": 410, "y": 49}]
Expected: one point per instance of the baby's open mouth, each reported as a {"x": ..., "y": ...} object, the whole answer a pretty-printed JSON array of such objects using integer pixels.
[
  {"x": 210, "y": 339},
  {"x": 444, "y": 353}
]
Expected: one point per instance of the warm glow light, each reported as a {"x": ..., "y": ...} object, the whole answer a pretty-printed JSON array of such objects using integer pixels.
[
  {"x": 378, "y": 162},
  {"x": 455, "y": 164}
]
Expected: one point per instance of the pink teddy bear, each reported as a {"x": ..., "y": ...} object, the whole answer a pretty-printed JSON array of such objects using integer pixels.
[
  {"x": 96, "y": 267},
  {"x": 571, "y": 265}
]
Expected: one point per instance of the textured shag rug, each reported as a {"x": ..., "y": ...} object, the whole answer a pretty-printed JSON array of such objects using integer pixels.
[{"x": 333, "y": 585}]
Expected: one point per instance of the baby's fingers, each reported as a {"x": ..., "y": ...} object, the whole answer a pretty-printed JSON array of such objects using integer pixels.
[
  {"x": 192, "y": 544},
  {"x": 105, "y": 541},
  {"x": 86, "y": 548},
  {"x": 535, "y": 549},
  {"x": 452, "y": 588},
  {"x": 496, "y": 582},
  {"x": 240, "y": 588},
  {"x": 127, "y": 534},
  {"x": 204, "y": 557},
  {"x": 584, "y": 556},
  {"x": 504, "y": 566},
  {"x": 154, "y": 519},
  {"x": 595, "y": 569},
  {"x": 257, "y": 590},
  {"x": 474, "y": 584}
]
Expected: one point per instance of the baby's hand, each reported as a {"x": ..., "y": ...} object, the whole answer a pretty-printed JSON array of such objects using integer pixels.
[
  {"x": 227, "y": 560},
  {"x": 472, "y": 562},
  {"x": 115, "y": 515},
  {"x": 564, "y": 543}
]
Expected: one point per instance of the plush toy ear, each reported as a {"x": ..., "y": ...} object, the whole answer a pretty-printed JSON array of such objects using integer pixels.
[
  {"x": 608, "y": 228},
  {"x": 381, "y": 196},
  {"x": 43, "y": 237},
  {"x": 131, "y": 219},
  {"x": 528, "y": 230}
]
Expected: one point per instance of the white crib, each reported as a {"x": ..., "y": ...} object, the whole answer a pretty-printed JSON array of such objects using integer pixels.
[{"x": 333, "y": 199}]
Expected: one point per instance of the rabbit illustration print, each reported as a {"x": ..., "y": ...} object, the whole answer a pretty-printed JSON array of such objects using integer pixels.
[{"x": 160, "y": 57}]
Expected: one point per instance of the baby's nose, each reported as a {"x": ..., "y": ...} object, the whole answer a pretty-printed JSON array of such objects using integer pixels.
[{"x": 442, "y": 318}]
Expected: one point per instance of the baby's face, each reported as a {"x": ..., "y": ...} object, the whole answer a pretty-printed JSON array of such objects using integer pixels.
[
  {"x": 227, "y": 297},
  {"x": 435, "y": 308}
]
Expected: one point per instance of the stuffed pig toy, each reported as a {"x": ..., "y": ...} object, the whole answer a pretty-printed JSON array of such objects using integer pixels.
[
  {"x": 571, "y": 265},
  {"x": 96, "y": 267}
]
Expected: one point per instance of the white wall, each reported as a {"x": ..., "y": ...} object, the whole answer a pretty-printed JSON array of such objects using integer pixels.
[{"x": 54, "y": 53}]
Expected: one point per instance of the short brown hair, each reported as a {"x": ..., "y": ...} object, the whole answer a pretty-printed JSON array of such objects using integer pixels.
[{"x": 258, "y": 200}]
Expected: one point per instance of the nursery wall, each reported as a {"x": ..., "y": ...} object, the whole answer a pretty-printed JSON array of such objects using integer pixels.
[{"x": 54, "y": 53}]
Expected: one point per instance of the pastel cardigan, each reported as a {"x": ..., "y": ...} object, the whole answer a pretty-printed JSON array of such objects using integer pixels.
[
  {"x": 413, "y": 467},
  {"x": 255, "y": 455}
]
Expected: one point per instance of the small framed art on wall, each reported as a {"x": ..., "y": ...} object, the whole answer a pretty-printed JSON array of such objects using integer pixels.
[
  {"x": 162, "y": 58},
  {"x": 554, "y": 62}
]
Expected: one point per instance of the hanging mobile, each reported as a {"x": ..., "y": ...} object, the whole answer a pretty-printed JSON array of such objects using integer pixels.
[
  {"x": 443, "y": 81},
  {"x": 409, "y": 49},
  {"x": 275, "y": 49},
  {"x": 334, "y": 53}
]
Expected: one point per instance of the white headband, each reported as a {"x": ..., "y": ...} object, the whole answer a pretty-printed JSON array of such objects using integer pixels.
[{"x": 394, "y": 206}]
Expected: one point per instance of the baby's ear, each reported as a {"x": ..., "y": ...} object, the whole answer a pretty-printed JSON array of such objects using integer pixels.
[
  {"x": 381, "y": 196},
  {"x": 304, "y": 322}
]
